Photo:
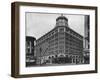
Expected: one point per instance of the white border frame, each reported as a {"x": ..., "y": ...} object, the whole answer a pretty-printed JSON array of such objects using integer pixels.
[{"x": 53, "y": 69}]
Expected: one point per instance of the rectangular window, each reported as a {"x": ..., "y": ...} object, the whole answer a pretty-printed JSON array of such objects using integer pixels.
[{"x": 61, "y": 29}]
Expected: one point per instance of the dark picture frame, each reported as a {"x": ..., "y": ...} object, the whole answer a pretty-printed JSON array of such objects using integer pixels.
[{"x": 15, "y": 39}]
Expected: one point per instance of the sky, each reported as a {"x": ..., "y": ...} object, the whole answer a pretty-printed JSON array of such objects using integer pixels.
[{"x": 37, "y": 24}]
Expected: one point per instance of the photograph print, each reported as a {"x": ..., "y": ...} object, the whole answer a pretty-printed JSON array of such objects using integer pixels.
[
  {"x": 56, "y": 39},
  {"x": 53, "y": 39}
]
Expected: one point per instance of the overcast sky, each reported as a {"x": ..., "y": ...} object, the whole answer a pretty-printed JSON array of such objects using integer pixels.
[{"x": 37, "y": 24}]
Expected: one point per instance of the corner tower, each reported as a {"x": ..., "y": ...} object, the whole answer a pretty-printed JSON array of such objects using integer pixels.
[{"x": 62, "y": 21}]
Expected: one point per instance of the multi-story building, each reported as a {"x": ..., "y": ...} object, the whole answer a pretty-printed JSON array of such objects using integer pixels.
[
  {"x": 30, "y": 59},
  {"x": 60, "y": 45},
  {"x": 87, "y": 40}
]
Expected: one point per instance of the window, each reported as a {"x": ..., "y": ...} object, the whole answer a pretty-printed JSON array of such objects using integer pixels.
[
  {"x": 61, "y": 29},
  {"x": 56, "y": 30},
  {"x": 52, "y": 33},
  {"x": 67, "y": 29},
  {"x": 27, "y": 43},
  {"x": 28, "y": 50},
  {"x": 61, "y": 47},
  {"x": 61, "y": 42},
  {"x": 61, "y": 51},
  {"x": 61, "y": 35}
]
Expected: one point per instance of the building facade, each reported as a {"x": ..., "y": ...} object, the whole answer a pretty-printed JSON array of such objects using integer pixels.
[
  {"x": 60, "y": 45},
  {"x": 30, "y": 59},
  {"x": 87, "y": 40}
]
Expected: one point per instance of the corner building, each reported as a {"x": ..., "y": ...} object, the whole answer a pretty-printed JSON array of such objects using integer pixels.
[{"x": 60, "y": 42}]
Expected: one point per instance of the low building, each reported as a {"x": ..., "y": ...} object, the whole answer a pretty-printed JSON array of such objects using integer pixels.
[{"x": 30, "y": 58}]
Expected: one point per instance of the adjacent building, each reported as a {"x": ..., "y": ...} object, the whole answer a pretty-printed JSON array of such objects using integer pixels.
[
  {"x": 30, "y": 59},
  {"x": 87, "y": 40},
  {"x": 60, "y": 45}
]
